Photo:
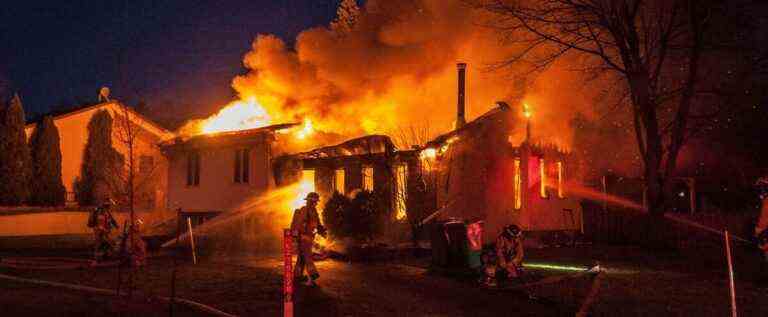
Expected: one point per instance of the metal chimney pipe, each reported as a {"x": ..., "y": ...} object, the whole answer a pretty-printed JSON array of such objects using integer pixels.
[{"x": 460, "y": 119}]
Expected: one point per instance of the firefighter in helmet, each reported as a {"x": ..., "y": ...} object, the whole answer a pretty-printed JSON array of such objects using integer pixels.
[
  {"x": 506, "y": 257},
  {"x": 102, "y": 222},
  {"x": 304, "y": 226}
]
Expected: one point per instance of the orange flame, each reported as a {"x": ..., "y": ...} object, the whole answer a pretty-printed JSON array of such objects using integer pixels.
[
  {"x": 306, "y": 131},
  {"x": 238, "y": 115}
]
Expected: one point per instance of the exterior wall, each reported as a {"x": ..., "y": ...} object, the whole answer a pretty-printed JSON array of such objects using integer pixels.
[
  {"x": 550, "y": 212},
  {"x": 475, "y": 178},
  {"x": 217, "y": 190},
  {"x": 70, "y": 222},
  {"x": 73, "y": 134}
]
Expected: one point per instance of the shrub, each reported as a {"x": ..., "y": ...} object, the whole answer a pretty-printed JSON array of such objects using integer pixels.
[
  {"x": 334, "y": 214},
  {"x": 367, "y": 214}
]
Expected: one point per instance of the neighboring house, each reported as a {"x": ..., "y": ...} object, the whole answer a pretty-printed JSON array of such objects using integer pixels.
[{"x": 73, "y": 133}]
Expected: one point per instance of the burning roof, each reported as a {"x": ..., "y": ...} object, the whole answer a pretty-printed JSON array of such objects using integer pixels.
[
  {"x": 224, "y": 139},
  {"x": 493, "y": 114},
  {"x": 370, "y": 144}
]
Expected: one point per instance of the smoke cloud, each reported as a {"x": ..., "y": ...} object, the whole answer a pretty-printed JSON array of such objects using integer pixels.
[{"x": 393, "y": 66}]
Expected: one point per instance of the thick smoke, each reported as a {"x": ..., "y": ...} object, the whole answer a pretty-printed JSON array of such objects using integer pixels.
[{"x": 393, "y": 66}]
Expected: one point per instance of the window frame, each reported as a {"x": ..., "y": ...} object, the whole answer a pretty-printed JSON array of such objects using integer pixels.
[
  {"x": 193, "y": 169},
  {"x": 242, "y": 166}
]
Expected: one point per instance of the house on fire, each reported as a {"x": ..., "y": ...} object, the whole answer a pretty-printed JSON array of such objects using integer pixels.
[
  {"x": 472, "y": 171},
  {"x": 217, "y": 172},
  {"x": 475, "y": 172},
  {"x": 369, "y": 163}
]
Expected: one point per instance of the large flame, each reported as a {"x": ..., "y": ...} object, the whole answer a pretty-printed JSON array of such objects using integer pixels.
[
  {"x": 393, "y": 67},
  {"x": 238, "y": 115}
]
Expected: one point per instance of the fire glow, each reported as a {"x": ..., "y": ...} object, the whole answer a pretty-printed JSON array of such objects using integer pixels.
[{"x": 238, "y": 115}]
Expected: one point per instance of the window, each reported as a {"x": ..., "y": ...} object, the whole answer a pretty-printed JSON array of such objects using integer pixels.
[
  {"x": 401, "y": 191},
  {"x": 146, "y": 164},
  {"x": 193, "y": 169},
  {"x": 368, "y": 178},
  {"x": 242, "y": 166},
  {"x": 543, "y": 177},
  {"x": 518, "y": 186},
  {"x": 560, "y": 180},
  {"x": 338, "y": 181},
  {"x": 308, "y": 181}
]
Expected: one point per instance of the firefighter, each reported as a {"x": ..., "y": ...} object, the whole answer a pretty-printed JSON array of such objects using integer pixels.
[
  {"x": 506, "y": 257},
  {"x": 102, "y": 223},
  {"x": 304, "y": 225}
]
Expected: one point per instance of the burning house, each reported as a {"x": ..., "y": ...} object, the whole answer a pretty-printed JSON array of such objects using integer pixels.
[
  {"x": 472, "y": 171},
  {"x": 475, "y": 171},
  {"x": 369, "y": 163},
  {"x": 217, "y": 172}
]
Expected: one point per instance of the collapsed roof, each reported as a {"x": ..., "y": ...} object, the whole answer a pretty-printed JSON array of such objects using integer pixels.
[{"x": 369, "y": 144}]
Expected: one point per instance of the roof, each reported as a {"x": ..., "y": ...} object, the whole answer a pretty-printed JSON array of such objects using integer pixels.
[
  {"x": 501, "y": 107},
  {"x": 228, "y": 138},
  {"x": 369, "y": 144},
  {"x": 149, "y": 124}
]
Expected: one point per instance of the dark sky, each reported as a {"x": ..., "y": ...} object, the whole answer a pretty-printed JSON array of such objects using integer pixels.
[{"x": 179, "y": 54}]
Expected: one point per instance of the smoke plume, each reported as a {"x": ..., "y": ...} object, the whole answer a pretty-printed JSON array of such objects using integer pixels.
[{"x": 392, "y": 64}]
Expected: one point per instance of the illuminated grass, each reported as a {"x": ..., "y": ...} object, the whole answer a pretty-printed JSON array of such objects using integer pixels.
[{"x": 557, "y": 267}]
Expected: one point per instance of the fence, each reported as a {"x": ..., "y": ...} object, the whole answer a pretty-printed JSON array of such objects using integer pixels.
[{"x": 623, "y": 226}]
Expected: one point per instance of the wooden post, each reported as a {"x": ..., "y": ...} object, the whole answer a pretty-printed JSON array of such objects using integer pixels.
[
  {"x": 287, "y": 274},
  {"x": 605, "y": 194},
  {"x": 730, "y": 273},
  {"x": 173, "y": 272},
  {"x": 192, "y": 240}
]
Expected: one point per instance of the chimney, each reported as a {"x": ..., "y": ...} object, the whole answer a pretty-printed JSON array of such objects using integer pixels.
[{"x": 460, "y": 119}]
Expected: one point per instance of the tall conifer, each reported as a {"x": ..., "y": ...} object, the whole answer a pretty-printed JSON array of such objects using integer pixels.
[
  {"x": 47, "y": 189},
  {"x": 15, "y": 159}
]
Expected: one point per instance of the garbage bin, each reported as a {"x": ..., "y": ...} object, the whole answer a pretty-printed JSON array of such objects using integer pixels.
[{"x": 449, "y": 244}]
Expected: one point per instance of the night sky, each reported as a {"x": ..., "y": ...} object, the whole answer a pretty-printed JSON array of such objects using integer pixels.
[{"x": 180, "y": 54}]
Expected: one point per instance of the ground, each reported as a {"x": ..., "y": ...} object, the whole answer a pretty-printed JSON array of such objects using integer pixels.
[{"x": 636, "y": 283}]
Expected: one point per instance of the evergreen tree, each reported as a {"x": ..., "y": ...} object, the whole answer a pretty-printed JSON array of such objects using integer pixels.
[
  {"x": 15, "y": 160},
  {"x": 100, "y": 161},
  {"x": 47, "y": 188}
]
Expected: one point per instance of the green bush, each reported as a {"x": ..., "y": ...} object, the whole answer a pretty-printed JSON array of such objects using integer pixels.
[
  {"x": 361, "y": 218},
  {"x": 334, "y": 213},
  {"x": 367, "y": 214}
]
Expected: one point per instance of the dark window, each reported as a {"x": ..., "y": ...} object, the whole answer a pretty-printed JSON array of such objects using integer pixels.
[
  {"x": 193, "y": 169},
  {"x": 242, "y": 165}
]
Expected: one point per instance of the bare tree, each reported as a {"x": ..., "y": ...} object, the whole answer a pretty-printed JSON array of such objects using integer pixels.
[
  {"x": 133, "y": 177},
  {"x": 654, "y": 48}
]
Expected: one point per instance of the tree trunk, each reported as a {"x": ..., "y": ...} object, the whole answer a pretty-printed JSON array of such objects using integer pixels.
[{"x": 649, "y": 138}]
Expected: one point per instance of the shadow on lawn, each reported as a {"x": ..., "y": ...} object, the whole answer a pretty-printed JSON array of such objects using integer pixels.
[{"x": 314, "y": 301}]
